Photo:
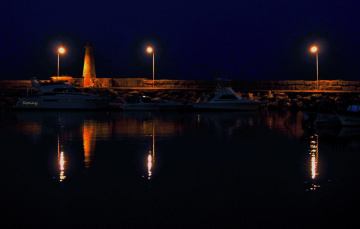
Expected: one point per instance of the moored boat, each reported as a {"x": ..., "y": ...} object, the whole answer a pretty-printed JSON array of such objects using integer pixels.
[
  {"x": 61, "y": 96},
  {"x": 313, "y": 118},
  {"x": 146, "y": 103},
  {"x": 226, "y": 99},
  {"x": 350, "y": 116}
]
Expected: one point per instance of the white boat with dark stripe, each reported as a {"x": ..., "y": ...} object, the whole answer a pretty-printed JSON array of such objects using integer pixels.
[
  {"x": 61, "y": 96},
  {"x": 226, "y": 99}
]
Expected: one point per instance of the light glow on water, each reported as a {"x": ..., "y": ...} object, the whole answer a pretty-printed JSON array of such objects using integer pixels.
[
  {"x": 62, "y": 166},
  {"x": 89, "y": 140},
  {"x": 313, "y": 166},
  {"x": 61, "y": 160},
  {"x": 314, "y": 158},
  {"x": 149, "y": 165},
  {"x": 151, "y": 156}
]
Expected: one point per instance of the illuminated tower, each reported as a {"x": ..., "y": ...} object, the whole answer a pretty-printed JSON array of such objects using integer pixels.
[{"x": 89, "y": 65}]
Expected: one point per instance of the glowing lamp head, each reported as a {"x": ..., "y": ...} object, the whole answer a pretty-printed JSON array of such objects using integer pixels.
[
  {"x": 61, "y": 50},
  {"x": 314, "y": 49},
  {"x": 149, "y": 49}
]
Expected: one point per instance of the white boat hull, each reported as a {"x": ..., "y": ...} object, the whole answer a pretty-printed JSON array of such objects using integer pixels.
[
  {"x": 64, "y": 103},
  {"x": 240, "y": 106},
  {"x": 61, "y": 96}
]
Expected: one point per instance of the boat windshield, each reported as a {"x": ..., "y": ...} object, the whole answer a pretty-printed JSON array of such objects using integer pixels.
[{"x": 353, "y": 108}]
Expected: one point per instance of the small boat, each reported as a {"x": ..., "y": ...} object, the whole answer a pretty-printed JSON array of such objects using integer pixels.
[
  {"x": 146, "y": 103},
  {"x": 61, "y": 96},
  {"x": 350, "y": 116},
  {"x": 226, "y": 99},
  {"x": 313, "y": 118}
]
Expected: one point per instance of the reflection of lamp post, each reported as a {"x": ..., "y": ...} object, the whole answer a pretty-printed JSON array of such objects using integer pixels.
[
  {"x": 314, "y": 49},
  {"x": 61, "y": 50},
  {"x": 151, "y": 155},
  {"x": 151, "y": 50},
  {"x": 61, "y": 159},
  {"x": 314, "y": 152}
]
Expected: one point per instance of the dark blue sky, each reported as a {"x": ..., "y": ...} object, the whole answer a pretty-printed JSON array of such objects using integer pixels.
[{"x": 258, "y": 39}]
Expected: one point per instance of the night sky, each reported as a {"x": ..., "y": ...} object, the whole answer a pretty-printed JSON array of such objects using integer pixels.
[{"x": 257, "y": 39}]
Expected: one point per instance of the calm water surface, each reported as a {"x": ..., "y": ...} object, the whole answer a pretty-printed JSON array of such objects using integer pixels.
[{"x": 175, "y": 170}]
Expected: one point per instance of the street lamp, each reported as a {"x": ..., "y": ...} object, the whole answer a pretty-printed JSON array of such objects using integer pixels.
[
  {"x": 314, "y": 49},
  {"x": 151, "y": 50},
  {"x": 60, "y": 50}
]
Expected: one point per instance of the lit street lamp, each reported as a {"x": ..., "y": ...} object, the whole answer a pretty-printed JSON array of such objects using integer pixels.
[
  {"x": 314, "y": 49},
  {"x": 151, "y": 50},
  {"x": 61, "y": 50}
]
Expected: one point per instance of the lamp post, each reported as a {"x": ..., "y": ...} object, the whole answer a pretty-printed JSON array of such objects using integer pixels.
[
  {"x": 151, "y": 50},
  {"x": 314, "y": 49},
  {"x": 61, "y": 50}
]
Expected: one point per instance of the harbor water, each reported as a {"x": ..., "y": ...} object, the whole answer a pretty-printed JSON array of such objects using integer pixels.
[{"x": 122, "y": 169}]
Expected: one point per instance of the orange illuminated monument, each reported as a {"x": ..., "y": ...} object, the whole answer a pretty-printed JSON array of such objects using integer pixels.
[{"x": 89, "y": 65}]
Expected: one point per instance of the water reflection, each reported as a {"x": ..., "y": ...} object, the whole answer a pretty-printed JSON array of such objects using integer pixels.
[
  {"x": 345, "y": 138},
  {"x": 190, "y": 160},
  {"x": 90, "y": 128},
  {"x": 62, "y": 166},
  {"x": 150, "y": 164},
  {"x": 137, "y": 123},
  {"x": 66, "y": 127},
  {"x": 314, "y": 160},
  {"x": 225, "y": 123},
  {"x": 61, "y": 160},
  {"x": 228, "y": 123},
  {"x": 288, "y": 123},
  {"x": 151, "y": 154},
  {"x": 89, "y": 140}
]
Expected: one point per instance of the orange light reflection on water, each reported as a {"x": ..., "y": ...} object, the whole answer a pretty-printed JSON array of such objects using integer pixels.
[
  {"x": 89, "y": 140},
  {"x": 150, "y": 163},
  {"x": 62, "y": 166},
  {"x": 313, "y": 166},
  {"x": 151, "y": 156},
  {"x": 314, "y": 156}
]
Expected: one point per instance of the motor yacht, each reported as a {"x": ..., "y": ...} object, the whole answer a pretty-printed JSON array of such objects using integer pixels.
[
  {"x": 61, "y": 96},
  {"x": 226, "y": 99}
]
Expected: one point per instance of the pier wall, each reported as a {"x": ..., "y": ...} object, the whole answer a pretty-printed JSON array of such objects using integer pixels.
[
  {"x": 284, "y": 94},
  {"x": 238, "y": 85}
]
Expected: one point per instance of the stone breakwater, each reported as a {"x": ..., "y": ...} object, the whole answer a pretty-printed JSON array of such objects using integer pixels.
[
  {"x": 241, "y": 85},
  {"x": 297, "y": 94}
]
